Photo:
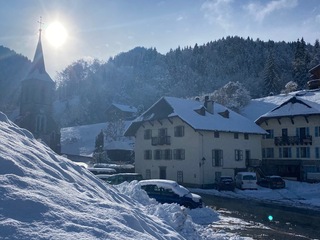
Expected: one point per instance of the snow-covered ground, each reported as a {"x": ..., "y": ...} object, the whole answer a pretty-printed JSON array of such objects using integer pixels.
[{"x": 295, "y": 194}]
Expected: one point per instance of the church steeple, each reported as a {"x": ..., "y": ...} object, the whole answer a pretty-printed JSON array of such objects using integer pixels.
[
  {"x": 36, "y": 102},
  {"x": 38, "y": 60}
]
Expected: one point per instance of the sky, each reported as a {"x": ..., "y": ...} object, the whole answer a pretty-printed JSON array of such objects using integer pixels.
[
  {"x": 46, "y": 196},
  {"x": 104, "y": 28}
]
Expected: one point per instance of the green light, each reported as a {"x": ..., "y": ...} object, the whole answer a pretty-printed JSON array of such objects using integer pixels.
[{"x": 270, "y": 218}]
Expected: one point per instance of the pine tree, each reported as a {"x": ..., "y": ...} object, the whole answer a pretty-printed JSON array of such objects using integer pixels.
[
  {"x": 99, "y": 142},
  {"x": 270, "y": 77},
  {"x": 300, "y": 64},
  {"x": 315, "y": 59}
]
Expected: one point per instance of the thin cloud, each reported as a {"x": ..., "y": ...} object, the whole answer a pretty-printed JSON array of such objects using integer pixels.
[
  {"x": 218, "y": 12},
  {"x": 260, "y": 12},
  {"x": 180, "y": 18}
]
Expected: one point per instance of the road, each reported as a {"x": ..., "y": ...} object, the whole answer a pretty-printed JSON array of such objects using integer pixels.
[{"x": 264, "y": 220}]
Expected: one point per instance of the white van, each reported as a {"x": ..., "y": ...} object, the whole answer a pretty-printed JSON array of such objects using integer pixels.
[{"x": 246, "y": 180}]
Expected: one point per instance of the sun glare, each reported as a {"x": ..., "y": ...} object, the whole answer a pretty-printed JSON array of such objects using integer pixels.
[{"x": 56, "y": 34}]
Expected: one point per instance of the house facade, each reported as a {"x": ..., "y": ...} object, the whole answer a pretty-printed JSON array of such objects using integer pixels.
[
  {"x": 193, "y": 143},
  {"x": 292, "y": 147}
]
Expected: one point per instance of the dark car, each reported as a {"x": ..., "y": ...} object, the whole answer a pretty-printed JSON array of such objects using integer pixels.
[
  {"x": 273, "y": 182},
  {"x": 225, "y": 183},
  {"x": 167, "y": 191}
]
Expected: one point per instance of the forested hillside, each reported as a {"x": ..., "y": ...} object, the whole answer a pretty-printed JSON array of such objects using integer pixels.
[
  {"x": 141, "y": 76},
  {"x": 13, "y": 68}
]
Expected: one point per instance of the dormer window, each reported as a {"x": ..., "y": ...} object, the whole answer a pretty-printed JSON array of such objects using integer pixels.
[{"x": 216, "y": 134}]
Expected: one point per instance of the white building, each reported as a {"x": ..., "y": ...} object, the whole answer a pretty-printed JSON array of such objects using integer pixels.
[
  {"x": 292, "y": 148},
  {"x": 193, "y": 143}
]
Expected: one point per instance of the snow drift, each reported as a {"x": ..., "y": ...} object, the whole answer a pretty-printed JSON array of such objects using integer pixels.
[{"x": 46, "y": 196}]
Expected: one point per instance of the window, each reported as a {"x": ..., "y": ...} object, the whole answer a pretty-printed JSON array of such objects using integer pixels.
[
  {"x": 246, "y": 136},
  {"x": 167, "y": 154},
  {"x": 284, "y": 132},
  {"x": 179, "y": 131},
  {"x": 317, "y": 131},
  {"x": 238, "y": 155},
  {"x": 236, "y": 135},
  {"x": 147, "y": 154},
  {"x": 285, "y": 152},
  {"x": 303, "y": 152},
  {"x": 217, "y": 157},
  {"x": 317, "y": 152},
  {"x": 147, "y": 134},
  {"x": 270, "y": 135},
  {"x": 248, "y": 154},
  {"x": 180, "y": 176},
  {"x": 157, "y": 154},
  {"x": 268, "y": 153},
  {"x": 216, "y": 135},
  {"x": 162, "y": 132},
  {"x": 179, "y": 154},
  {"x": 148, "y": 174},
  {"x": 302, "y": 132}
]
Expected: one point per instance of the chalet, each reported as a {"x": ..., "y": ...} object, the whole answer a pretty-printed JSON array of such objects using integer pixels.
[
  {"x": 314, "y": 82},
  {"x": 120, "y": 112},
  {"x": 192, "y": 142},
  {"x": 292, "y": 147}
]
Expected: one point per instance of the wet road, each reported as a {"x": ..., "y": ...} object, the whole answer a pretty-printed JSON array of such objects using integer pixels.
[{"x": 285, "y": 223}]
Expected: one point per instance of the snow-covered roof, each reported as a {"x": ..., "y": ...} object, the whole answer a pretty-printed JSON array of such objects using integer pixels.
[
  {"x": 295, "y": 106},
  {"x": 80, "y": 140},
  {"x": 125, "y": 108},
  {"x": 222, "y": 118},
  {"x": 260, "y": 106}
]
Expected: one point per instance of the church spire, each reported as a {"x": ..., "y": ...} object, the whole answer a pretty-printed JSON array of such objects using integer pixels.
[{"x": 38, "y": 60}]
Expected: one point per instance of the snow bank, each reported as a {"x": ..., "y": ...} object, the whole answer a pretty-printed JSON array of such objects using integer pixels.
[{"x": 45, "y": 196}]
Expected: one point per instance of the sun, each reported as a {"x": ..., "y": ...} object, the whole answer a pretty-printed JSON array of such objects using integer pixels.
[{"x": 56, "y": 34}]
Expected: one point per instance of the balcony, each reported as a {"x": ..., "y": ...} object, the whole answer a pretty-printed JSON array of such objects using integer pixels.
[
  {"x": 162, "y": 140},
  {"x": 253, "y": 162},
  {"x": 292, "y": 140}
]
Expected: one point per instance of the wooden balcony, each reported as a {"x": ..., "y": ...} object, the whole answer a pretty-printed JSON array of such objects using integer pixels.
[
  {"x": 253, "y": 162},
  {"x": 292, "y": 140},
  {"x": 162, "y": 140}
]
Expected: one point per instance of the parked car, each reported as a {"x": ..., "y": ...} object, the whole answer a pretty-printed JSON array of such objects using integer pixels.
[
  {"x": 168, "y": 191},
  {"x": 120, "y": 177},
  {"x": 225, "y": 183},
  {"x": 102, "y": 170},
  {"x": 246, "y": 180},
  {"x": 272, "y": 182}
]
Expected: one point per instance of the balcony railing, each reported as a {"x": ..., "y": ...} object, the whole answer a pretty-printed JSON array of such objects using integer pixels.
[
  {"x": 162, "y": 140},
  {"x": 293, "y": 140},
  {"x": 253, "y": 162}
]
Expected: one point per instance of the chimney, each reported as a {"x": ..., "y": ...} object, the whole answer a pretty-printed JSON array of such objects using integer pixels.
[{"x": 208, "y": 104}]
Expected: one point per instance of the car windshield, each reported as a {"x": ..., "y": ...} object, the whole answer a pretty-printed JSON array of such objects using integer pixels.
[{"x": 249, "y": 177}]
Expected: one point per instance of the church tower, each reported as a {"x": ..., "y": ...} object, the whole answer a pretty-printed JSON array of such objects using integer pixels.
[{"x": 37, "y": 96}]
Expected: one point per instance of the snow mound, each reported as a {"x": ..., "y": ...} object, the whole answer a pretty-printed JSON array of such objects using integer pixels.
[{"x": 46, "y": 196}]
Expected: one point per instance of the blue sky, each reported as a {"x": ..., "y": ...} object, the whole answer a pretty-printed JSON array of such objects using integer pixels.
[{"x": 104, "y": 28}]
